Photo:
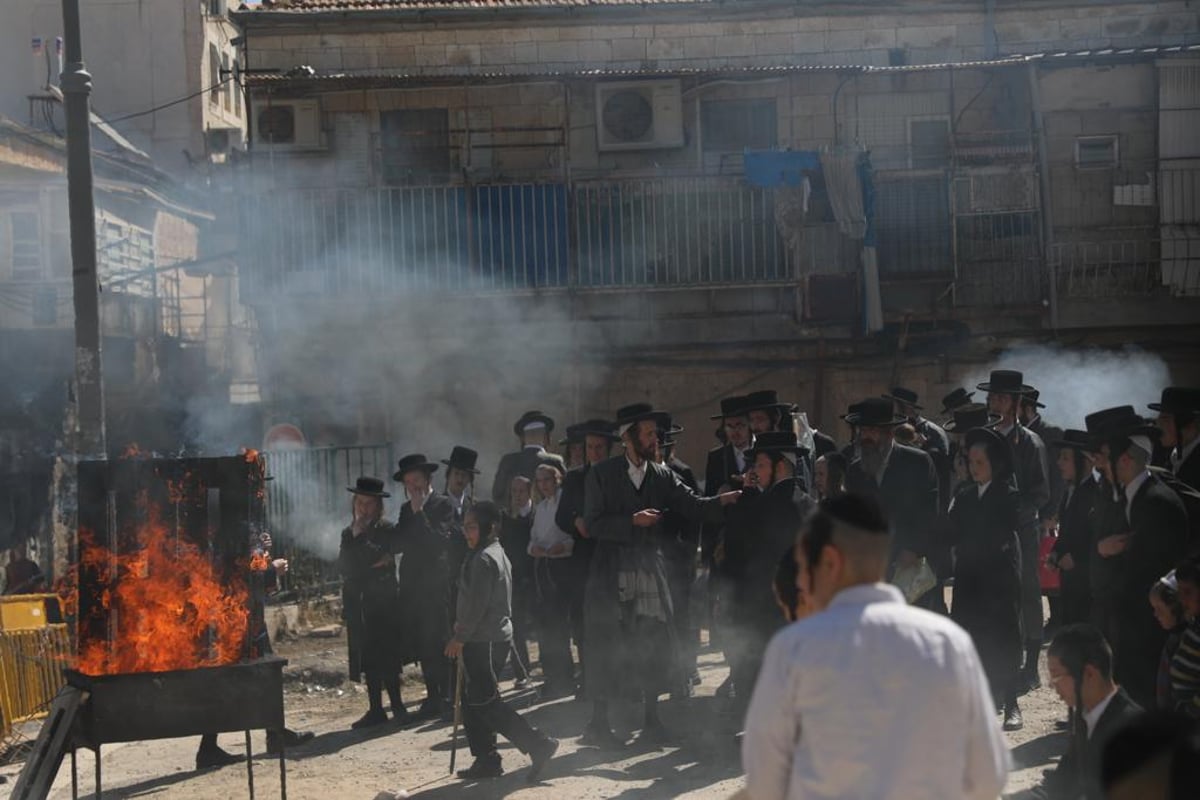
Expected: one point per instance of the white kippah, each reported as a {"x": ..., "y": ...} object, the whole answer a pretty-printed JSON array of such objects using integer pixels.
[
  {"x": 534, "y": 426},
  {"x": 1142, "y": 443},
  {"x": 624, "y": 428},
  {"x": 1169, "y": 581}
]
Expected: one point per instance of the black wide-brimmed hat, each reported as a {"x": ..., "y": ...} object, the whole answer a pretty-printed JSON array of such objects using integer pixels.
[
  {"x": 592, "y": 427},
  {"x": 732, "y": 407},
  {"x": 766, "y": 400},
  {"x": 875, "y": 412},
  {"x": 639, "y": 412},
  {"x": 372, "y": 487},
  {"x": 1075, "y": 440},
  {"x": 850, "y": 412},
  {"x": 1032, "y": 399},
  {"x": 906, "y": 396},
  {"x": 997, "y": 446},
  {"x": 414, "y": 462},
  {"x": 971, "y": 415},
  {"x": 776, "y": 442},
  {"x": 668, "y": 429},
  {"x": 956, "y": 399},
  {"x": 1005, "y": 381},
  {"x": 1114, "y": 426},
  {"x": 533, "y": 418},
  {"x": 463, "y": 458},
  {"x": 1178, "y": 400}
]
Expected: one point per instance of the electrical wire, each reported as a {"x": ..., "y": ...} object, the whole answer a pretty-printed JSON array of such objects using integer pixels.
[{"x": 137, "y": 114}]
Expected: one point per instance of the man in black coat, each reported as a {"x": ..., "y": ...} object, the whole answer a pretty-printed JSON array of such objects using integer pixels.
[
  {"x": 1073, "y": 548},
  {"x": 1031, "y": 417},
  {"x": 628, "y": 606},
  {"x": 1156, "y": 541},
  {"x": 460, "y": 491},
  {"x": 763, "y": 526},
  {"x": 902, "y": 478},
  {"x": 1005, "y": 388},
  {"x": 935, "y": 441},
  {"x": 1081, "y": 671},
  {"x": 681, "y": 546},
  {"x": 1179, "y": 421},
  {"x": 1106, "y": 522},
  {"x": 533, "y": 429},
  {"x": 598, "y": 436},
  {"x": 423, "y": 538}
]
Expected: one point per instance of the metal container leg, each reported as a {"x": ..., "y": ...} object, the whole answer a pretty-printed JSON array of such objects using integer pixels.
[{"x": 249, "y": 765}]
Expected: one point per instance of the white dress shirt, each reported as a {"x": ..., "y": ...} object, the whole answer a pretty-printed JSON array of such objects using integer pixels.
[
  {"x": 1090, "y": 718},
  {"x": 1131, "y": 491},
  {"x": 545, "y": 532},
  {"x": 1182, "y": 454},
  {"x": 873, "y": 698},
  {"x": 636, "y": 474}
]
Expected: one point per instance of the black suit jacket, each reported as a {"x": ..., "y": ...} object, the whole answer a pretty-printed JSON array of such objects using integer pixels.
[
  {"x": 1189, "y": 470},
  {"x": 937, "y": 445},
  {"x": 1029, "y": 466},
  {"x": 523, "y": 462},
  {"x": 908, "y": 493},
  {"x": 1078, "y": 772},
  {"x": 823, "y": 444},
  {"x": 721, "y": 463}
]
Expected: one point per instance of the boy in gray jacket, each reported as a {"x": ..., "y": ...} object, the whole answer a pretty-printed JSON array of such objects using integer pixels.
[{"x": 482, "y": 635}]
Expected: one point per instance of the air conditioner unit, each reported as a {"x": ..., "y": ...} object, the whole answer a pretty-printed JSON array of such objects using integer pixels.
[
  {"x": 222, "y": 141},
  {"x": 289, "y": 125},
  {"x": 639, "y": 115}
]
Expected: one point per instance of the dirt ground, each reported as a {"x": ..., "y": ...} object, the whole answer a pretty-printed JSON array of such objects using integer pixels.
[{"x": 341, "y": 764}]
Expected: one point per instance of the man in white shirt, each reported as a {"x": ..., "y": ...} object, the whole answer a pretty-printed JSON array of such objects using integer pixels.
[
  {"x": 870, "y": 697},
  {"x": 551, "y": 549}
]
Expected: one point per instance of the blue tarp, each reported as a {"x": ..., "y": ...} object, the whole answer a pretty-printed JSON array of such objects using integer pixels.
[{"x": 771, "y": 168}]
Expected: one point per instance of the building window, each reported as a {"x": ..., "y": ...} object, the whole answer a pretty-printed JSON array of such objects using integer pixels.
[
  {"x": 731, "y": 126},
  {"x": 928, "y": 143},
  {"x": 25, "y": 245},
  {"x": 415, "y": 144},
  {"x": 1096, "y": 152},
  {"x": 214, "y": 74}
]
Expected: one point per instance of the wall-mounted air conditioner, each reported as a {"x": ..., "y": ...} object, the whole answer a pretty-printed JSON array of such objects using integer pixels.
[
  {"x": 639, "y": 115},
  {"x": 223, "y": 141},
  {"x": 288, "y": 125}
]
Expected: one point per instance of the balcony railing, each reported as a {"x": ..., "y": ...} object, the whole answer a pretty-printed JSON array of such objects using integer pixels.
[{"x": 1160, "y": 263}]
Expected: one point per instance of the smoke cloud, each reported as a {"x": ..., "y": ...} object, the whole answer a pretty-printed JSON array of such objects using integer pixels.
[{"x": 1074, "y": 383}]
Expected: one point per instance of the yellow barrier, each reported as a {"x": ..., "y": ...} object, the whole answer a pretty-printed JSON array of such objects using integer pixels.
[{"x": 31, "y": 663}]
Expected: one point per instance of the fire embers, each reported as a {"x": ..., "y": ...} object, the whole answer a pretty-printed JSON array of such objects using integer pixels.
[{"x": 165, "y": 603}]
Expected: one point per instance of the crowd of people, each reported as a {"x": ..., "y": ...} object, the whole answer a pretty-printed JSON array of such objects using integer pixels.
[{"x": 627, "y": 556}]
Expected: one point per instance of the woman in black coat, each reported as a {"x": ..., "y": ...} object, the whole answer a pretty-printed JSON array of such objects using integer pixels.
[
  {"x": 370, "y": 603},
  {"x": 987, "y": 568},
  {"x": 1073, "y": 549}
]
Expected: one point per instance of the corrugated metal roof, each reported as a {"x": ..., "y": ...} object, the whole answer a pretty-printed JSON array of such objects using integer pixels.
[
  {"x": 353, "y": 79},
  {"x": 302, "y": 6}
]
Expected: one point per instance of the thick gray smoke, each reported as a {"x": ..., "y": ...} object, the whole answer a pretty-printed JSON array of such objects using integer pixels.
[{"x": 1074, "y": 383}]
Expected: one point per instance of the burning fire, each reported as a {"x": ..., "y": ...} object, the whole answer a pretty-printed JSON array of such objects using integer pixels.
[{"x": 170, "y": 607}]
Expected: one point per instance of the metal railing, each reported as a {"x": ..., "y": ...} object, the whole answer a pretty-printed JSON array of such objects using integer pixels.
[{"x": 1157, "y": 264}]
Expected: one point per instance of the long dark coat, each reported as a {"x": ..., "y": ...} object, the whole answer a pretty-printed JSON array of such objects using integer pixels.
[
  {"x": 1189, "y": 470},
  {"x": 720, "y": 465},
  {"x": 987, "y": 577},
  {"x": 1104, "y": 572},
  {"x": 908, "y": 493},
  {"x": 937, "y": 446},
  {"x": 1074, "y": 539},
  {"x": 370, "y": 601},
  {"x": 570, "y": 508},
  {"x": 1055, "y": 484},
  {"x": 617, "y": 661},
  {"x": 423, "y": 540},
  {"x": 762, "y": 528}
]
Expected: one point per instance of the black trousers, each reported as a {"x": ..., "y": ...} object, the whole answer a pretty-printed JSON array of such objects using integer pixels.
[
  {"x": 681, "y": 575},
  {"x": 553, "y": 580},
  {"x": 484, "y": 713}
]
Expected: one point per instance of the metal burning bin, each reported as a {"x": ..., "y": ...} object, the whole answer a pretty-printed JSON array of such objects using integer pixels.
[{"x": 219, "y": 679}]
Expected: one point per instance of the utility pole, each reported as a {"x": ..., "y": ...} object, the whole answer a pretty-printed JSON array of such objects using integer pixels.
[{"x": 89, "y": 386}]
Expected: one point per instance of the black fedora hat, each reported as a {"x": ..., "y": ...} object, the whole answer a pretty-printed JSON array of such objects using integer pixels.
[
  {"x": 1005, "y": 381},
  {"x": 766, "y": 400},
  {"x": 851, "y": 410},
  {"x": 776, "y": 442},
  {"x": 463, "y": 458},
  {"x": 1178, "y": 400},
  {"x": 956, "y": 399},
  {"x": 530, "y": 419},
  {"x": 574, "y": 436},
  {"x": 875, "y": 412},
  {"x": 593, "y": 427},
  {"x": 732, "y": 407},
  {"x": 971, "y": 415},
  {"x": 906, "y": 396},
  {"x": 639, "y": 412},
  {"x": 372, "y": 487},
  {"x": 1032, "y": 399},
  {"x": 412, "y": 462},
  {"x": 1075, "y": 440},
  {"x": 1112, "y": 419}
]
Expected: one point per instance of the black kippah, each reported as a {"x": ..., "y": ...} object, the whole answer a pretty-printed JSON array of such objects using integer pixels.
[{"x": 859, "y": 511}]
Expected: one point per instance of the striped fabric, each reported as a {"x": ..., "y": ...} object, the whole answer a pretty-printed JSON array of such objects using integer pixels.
[{"x": 1185, "y": 671}]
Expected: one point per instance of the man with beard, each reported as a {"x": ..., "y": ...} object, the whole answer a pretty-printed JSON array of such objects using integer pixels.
[
  {"x": 1179, "y": 421},
  {"x": 1005, "y": 388},
  {"x": 936, "y": 444},
  {"x": 533, "y": 429},
  {"x": 763, "y": 527},
  {"x": 681, "y": 546},
  {"x": 460, "y": 491},
  {"x": 598, "y": 437},
  {"x": 902, "y": 478},
  {"x": 628, "y": 604},
  {"x": 423, "y": 538}
]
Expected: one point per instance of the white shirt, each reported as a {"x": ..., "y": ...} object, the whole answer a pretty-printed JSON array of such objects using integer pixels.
[
  {"x": 1131, "y": 491},
  {"x": 636, "y": 474},
  {"x": 1090, "y": 718},
  {"x": 873, "y": 698},
  {"x": 982, "y": 488},
  {"x": 545, "y": 532},
  {"x": 458, "y": 502},
  {"x": 525, "y": 510},
  {"x": 1182, "y": 454},
  {"x": 739, "y": 458}
]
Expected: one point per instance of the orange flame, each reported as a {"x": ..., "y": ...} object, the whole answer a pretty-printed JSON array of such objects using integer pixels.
[
  {"x": 260, "y": 562},
  {"x": 134, "y": 450},
  {"x": 171, "y": 608}
]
